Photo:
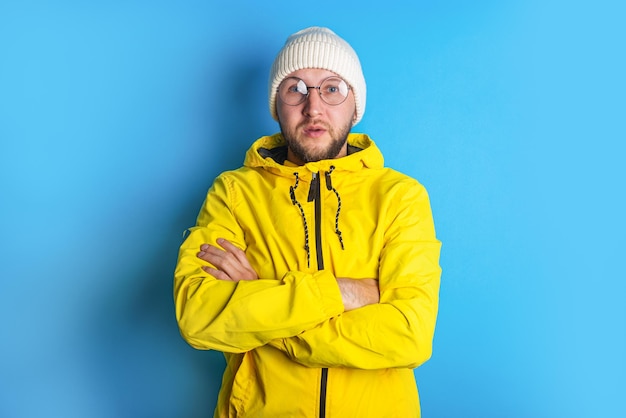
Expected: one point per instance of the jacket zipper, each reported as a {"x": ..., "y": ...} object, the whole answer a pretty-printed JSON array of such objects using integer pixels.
[{"x": 315, "y": 195}]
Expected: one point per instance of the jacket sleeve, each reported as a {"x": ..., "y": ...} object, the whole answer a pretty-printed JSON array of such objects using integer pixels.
[
  {"x": 239, "y": 316},
  {"x": 399, "y": 330}
]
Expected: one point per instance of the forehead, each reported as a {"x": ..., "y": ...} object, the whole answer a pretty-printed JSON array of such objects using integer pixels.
[{"x": 313, "y": 75}]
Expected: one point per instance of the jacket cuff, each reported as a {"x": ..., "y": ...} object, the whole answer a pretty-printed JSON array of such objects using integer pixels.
[{"x": 328, "y": 293}]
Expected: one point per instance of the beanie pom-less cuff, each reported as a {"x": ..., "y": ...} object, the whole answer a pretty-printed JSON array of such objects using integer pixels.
[{"x": 317, "y": 47}]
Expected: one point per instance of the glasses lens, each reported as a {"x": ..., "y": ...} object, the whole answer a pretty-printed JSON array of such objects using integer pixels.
[
  {"x": 334, "y": 90},
  {"x": 292, "y": 91}
]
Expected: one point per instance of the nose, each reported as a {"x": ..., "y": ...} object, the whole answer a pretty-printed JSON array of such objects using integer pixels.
[{"x": 313, "y": 104}]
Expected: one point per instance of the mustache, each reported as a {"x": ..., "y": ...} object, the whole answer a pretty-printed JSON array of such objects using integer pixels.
[{"x": 315, "y": 123}]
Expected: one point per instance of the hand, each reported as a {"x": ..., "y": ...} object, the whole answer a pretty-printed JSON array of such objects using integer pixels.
[
  {"x": 230, "y": 263},
  {"x": 357, "y": 293}
]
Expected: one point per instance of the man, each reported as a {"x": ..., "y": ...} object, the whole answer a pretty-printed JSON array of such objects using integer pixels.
[{"x": 312, "y": 267}]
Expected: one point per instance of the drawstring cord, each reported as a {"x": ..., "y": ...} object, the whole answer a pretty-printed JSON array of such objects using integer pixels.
[
  {"x": 329, "y": 186},
  {"x": 294, "y": 201}
]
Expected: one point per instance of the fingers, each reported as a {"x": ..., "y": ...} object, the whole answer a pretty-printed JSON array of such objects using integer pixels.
[
  {"x": 226, "y": 265},
  {"x": 230, "y": 262},
  {"x": 220, "y": 275},
  {"x": 238, "y": 253}
]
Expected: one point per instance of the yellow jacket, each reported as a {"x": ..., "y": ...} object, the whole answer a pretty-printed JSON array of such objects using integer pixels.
[{"x": 290, "y": 348}]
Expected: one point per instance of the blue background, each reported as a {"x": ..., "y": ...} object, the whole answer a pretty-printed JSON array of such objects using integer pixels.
[{"x": 116, "y": 115}]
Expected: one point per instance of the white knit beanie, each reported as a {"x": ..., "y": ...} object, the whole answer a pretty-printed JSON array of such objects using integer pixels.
[{"x": 317, "y": 47}]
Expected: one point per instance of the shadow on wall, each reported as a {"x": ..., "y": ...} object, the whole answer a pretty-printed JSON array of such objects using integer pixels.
[
  {"x": 143, "y": 367},
  {"x": 238, "y": 112}
]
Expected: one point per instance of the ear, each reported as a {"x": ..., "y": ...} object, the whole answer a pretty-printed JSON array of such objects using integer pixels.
[{"x": 276, "y": 111}]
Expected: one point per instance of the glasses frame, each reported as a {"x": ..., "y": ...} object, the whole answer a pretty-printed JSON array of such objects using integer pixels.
[{"x": 308, "y": 91}]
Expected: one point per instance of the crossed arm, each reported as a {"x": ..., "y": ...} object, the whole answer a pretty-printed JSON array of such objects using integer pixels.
[
  {"x": 231, "y": 264},
  {"x": 312, "y": 316},
  {"x": 375, "y": 331}
]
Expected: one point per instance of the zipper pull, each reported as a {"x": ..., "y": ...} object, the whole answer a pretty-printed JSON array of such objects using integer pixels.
[
  {"x": 329, "y": 184},
  {"x": 314, "y": 189}
]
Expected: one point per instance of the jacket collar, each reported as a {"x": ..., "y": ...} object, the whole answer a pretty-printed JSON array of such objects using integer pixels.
[{"x": 270, "y": 152}]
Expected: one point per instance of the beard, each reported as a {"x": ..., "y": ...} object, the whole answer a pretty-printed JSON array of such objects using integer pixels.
[{"x": 309, "y": 154}]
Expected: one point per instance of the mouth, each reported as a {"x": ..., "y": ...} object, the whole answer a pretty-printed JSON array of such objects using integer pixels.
[{"x": 314, "y": 131}]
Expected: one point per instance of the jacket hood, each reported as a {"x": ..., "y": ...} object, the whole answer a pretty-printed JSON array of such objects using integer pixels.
[{"x": 270, "y": 152}]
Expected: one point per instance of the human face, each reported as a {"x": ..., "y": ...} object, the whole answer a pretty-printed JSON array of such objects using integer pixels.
[{"x": 315, "y": 130}]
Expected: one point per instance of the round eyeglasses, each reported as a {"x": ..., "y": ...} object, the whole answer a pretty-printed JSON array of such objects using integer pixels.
[{"x": 293, "y": 91}]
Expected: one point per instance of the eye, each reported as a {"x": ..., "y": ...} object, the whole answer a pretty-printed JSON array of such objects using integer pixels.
[
  {"x": 335, "y": 87},
  {"x": 292, "y": 91},
  {"x": 293, "y": 86}
]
